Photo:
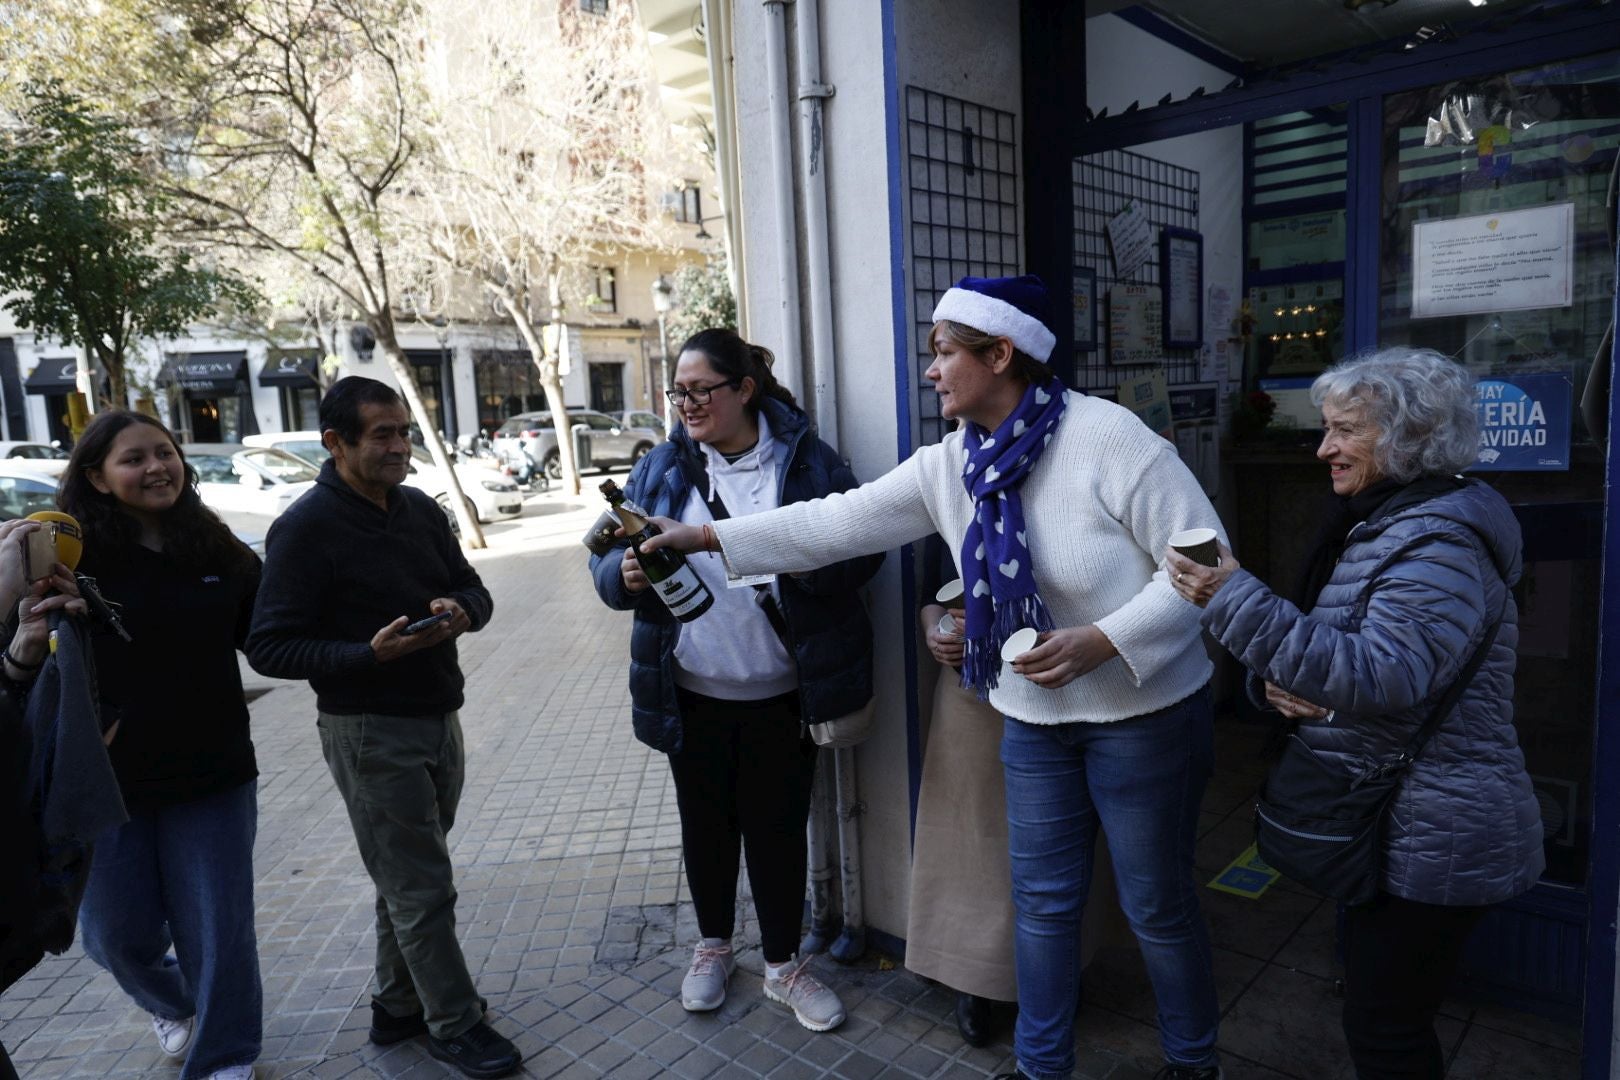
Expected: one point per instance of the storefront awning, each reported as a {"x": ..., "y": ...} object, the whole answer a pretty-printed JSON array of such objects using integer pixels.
[
  {"x": 54, "y": 376},
  {"x": 217, "y": 373},
  {"x": 294, "y": 369}
]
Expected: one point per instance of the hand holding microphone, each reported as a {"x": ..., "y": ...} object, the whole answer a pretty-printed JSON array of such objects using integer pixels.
[{"x": 69, "y": 538}]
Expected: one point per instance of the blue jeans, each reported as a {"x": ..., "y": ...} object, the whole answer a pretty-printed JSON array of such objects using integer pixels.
[
  {"x": 183, "y": 875},
  {"x": 1142, "y": 780}
]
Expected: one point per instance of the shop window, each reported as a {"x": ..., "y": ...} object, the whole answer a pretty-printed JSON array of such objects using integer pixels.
[
  {"x": 1495, "y": 251},
  {"x": 300, "y": 408},
  {"x": 507, "y": 383},
  {"x": 689, "y": 203},
  {"x": 1482, "y": 173},
  {"x": 607, "y": 387},
  {"x": 604, "y": 298}
]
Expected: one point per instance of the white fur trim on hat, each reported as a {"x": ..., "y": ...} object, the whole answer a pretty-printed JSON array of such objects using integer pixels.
[{"x": 987, "y": 314}]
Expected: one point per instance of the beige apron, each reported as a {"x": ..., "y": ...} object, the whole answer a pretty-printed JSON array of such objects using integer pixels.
[{"x": 959, "y": 930}]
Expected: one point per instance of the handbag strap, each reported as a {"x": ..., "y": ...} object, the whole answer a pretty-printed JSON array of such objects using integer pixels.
[
  {"x": 718, "y": 511},
  {"x": 1442, "y": 709}
]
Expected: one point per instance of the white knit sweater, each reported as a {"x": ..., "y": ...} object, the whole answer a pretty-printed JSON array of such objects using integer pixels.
[{"x": 1099, "y": 508}]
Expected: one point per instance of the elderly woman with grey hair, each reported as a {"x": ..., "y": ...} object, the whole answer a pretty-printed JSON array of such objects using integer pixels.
[{"x": 1409, "y": 575}]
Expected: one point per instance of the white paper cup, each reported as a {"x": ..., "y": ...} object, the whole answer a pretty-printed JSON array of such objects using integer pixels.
[
  {"x": 951, "y": 590},
  {"x": 1019, "y": 643},
  {"x": 1199, "y": 545},
  {"x": 947, "y": 625}
]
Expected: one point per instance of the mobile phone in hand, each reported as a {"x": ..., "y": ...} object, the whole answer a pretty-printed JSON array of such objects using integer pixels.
[
  {"x": 422, "y": 624},
  {"x": 39, "y": 553}
]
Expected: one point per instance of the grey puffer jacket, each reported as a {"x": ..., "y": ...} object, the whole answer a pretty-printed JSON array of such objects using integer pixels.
[{"x": 1409, "y": 601}]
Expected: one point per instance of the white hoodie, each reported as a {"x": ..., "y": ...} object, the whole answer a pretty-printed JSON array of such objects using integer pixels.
[{"x": 732, "y": 652}]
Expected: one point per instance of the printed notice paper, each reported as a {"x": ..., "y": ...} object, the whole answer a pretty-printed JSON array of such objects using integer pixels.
[
  {"x": 1130, "y": 234},
  {"x": 1514, "y": 260}
]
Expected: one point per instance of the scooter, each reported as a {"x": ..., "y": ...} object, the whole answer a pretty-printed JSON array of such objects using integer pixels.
[
  {"x": 471, "y": 445},
  {"x": 516, "y": 462}
]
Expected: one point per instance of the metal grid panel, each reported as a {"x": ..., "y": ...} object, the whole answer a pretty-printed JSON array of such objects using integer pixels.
[
  {"x": 1104, "y": 184},
  {"x": 963, "y": 166}
]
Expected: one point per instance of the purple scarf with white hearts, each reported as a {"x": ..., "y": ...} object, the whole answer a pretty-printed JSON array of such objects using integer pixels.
[{"x": 998, "y": 585}]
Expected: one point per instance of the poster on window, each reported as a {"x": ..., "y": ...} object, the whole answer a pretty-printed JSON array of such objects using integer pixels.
[
  {"x": 1524, "y": 423},
  {"x": 1508, "y": 261}
]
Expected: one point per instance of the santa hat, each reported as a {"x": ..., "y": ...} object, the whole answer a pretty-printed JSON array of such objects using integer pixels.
[{"x": 1015, "y": 308}]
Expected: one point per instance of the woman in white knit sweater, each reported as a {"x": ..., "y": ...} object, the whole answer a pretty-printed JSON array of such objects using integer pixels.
[{"x": 1056, "y": 505}]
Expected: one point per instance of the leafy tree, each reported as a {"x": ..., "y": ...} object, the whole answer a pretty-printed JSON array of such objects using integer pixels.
[
  {"x": 284, "y": 131},
  {"x": 82, "y": 258},
  {"x": 550, "y": 153},
  {"x": 703, "y": 300}
]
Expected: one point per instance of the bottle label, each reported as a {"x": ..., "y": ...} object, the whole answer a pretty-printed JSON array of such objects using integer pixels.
[{"x": 682, "y": 591}]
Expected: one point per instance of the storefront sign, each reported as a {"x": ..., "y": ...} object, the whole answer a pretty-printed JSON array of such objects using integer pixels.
[
  {"x": 1524, "y": 423},
  {"x": 1510, "y": 261}
]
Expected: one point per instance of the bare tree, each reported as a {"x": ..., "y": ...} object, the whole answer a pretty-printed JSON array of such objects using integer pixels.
[
  {"x": 285, "y": 129},
  {"x": 551, "y": 150}
]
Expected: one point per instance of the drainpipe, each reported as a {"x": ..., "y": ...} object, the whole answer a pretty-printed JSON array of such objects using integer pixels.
[
  {"x": 823, "y": 911},
  {"x": 787, "y": 255},
  {"x": 812, "y": 96},
  {"x": 813, "y": 184}
]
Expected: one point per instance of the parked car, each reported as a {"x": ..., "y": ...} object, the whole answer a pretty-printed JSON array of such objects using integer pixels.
[
  {"x": 491, "y": 496},
  {"x": 25, "y": 488},
  {"x": 612, "y": 444},
  {"x": 233, "y": 478},
  {"x": 43, "y": 457},
  {"x": 642, "y": 420}
]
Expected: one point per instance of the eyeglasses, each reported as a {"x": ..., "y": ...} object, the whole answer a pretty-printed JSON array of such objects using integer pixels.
[{"x": 700, "y": 395}]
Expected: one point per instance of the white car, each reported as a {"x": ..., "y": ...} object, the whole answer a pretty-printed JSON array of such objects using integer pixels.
[
  {"x": 24, "y": 488},
  {"x": 492, "y": 496},
  {"x": 41, "y": 457},
  {"x": 259, "y": 481}
]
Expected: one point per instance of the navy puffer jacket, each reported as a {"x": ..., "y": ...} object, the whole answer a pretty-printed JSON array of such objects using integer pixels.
[
  {"x": 828, "y": 624},
  {"x": 1407, "y": 604}
]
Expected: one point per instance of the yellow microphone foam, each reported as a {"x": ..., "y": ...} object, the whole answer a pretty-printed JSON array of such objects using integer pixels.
[{"x": 69, "y": 536}]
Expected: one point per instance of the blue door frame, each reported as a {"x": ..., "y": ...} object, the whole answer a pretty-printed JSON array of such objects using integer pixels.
[
  {"x": 1556, "y": 32},
  {"x": 1604, "y": 877}
]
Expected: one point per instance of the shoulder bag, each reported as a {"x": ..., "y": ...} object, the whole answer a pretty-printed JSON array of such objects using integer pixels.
[{"x": 1322, "y": 826}]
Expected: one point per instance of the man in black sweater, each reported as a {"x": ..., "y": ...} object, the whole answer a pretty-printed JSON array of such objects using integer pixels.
[{"x": 347, "y": 568}]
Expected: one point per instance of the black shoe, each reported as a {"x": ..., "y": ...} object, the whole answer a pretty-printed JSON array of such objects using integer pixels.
[
  {"x": 1014, "y": 1075},
  {"x": 973, "y": 1019},
  {"x": 1189, "y": 1072},
  {"x": 388, "y": 1029},
  {"x": 478, "y": 1052}
]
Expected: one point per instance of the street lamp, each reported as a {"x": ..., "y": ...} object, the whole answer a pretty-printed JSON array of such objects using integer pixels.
[{"x": 663, "y": 297}]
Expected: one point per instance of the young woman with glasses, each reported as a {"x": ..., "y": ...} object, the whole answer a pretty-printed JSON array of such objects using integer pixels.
[{"x": 728, "y": 696}]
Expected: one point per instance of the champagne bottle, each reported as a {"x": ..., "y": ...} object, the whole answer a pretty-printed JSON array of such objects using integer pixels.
[{"x": 672, "y": 577}]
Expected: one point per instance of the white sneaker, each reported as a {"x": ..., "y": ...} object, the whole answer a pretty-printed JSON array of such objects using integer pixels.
[
  {"x": 813, "y": 1002},
  {"x": 173, "y": 1035},
  {"x": 232, "y": 1072},
  {"x": 704, "y": 988}
]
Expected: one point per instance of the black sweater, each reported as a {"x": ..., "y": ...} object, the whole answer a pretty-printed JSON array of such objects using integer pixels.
[
  {"x": 338, "y": 569},
  {"x": 174, "y": 689}
]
